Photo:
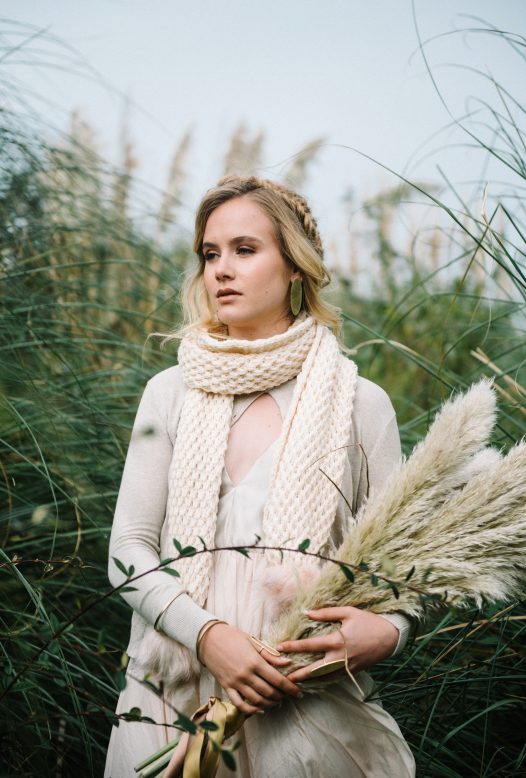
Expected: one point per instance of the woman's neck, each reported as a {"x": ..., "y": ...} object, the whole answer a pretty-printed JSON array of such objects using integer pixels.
[{"x": 262, "y": 331}]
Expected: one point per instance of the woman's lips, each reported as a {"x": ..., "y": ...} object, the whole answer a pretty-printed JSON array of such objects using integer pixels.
[{"x": 228, "y": 294}]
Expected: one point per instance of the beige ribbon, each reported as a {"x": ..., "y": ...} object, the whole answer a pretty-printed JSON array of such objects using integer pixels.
[{"x": 203, "y": 753}]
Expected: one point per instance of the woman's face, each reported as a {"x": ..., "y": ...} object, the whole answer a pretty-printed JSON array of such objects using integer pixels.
[{"x": 242, "y": 256}]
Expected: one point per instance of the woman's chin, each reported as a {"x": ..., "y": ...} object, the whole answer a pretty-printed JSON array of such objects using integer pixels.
[{"x": 240, "y": 324}]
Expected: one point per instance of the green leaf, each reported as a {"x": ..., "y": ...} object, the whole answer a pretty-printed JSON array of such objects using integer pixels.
[
  {"x": 157, "y": 689},
  {"x": 54, "y": 648},
  {"x": 186, "y": 551},
  {"x": 183, "y": 722},
  {"x": 133, "y": 713},
  {"x": 131, "y": 570},
  {"x": 395, "y": 591},
  {"x": 120, "y": 566},
  {"x": 209, "y": 726},
  {"x": 410, "y": 574},
  {"x": 374, "y": 580},
  {"x": 120, "y": 681},
  {"x": 432, "y": 597},
  {"x": 243, "y": 551},
  {"x": 165, "y": 562},
  {"x": 170, "y": 571},
  {"x": 203, "y": 542},
  {"x": 127, "y": 589},
  {"x": 363, "y": 566},
  {"x": 229, "y": 760},
  {"x": 427, "y": 573},
  {"x": 348, "y": 573},
  {"x": 303, "y": 546},
  {"x": 54, "y": 621}
]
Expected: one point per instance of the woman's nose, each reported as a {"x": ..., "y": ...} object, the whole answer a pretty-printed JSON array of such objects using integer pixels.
[{"x": 224, "y": 267}]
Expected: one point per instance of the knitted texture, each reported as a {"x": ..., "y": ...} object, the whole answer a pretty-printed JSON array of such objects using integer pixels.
[
  {"x": 229, "y": 367},
  {"x": 312, "y": 450},
  {"x": 301, "y": 500}
]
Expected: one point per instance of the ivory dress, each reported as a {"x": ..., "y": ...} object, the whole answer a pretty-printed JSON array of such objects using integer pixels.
[{"x": 319, "y": 736}]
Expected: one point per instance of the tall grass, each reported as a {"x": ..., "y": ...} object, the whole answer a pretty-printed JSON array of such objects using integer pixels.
[
  {"x": 82, "y": 285},
  {"x": 460, "y": 692},
  {"x": 80, "y": 288}
]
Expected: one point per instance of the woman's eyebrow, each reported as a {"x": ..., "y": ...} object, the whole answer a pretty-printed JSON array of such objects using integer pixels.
[{"x": 233, "y": 241}]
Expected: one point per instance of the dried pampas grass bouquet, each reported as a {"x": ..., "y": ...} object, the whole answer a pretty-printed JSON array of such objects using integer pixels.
[{"x": 447, "y": 527}]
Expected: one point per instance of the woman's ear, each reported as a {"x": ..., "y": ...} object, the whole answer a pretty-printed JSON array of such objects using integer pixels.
[{"x": 296, "y": 274}]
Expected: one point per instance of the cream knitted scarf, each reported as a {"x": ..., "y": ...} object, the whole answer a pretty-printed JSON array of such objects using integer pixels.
[{"x": 301, "y": 500}]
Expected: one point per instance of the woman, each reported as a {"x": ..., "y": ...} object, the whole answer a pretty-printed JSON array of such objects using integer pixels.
[{"x": 238, "y": 445}]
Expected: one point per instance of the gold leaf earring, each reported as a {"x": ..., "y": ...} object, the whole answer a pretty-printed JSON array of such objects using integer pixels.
[{"x": 296, "y": 296}]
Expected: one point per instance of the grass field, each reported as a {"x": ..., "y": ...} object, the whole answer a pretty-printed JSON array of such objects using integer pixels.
[{"x": 82, "y": 286}]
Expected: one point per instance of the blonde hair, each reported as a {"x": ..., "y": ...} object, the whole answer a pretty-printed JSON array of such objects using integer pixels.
[{"x": 298, "y": 238}]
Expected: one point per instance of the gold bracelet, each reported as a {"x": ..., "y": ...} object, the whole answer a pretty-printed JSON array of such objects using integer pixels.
[
  {"x": 163, "y": 611},
  {"x": 203, "y": 632}
]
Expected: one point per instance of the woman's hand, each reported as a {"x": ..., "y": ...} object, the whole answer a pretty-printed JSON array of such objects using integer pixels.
[
  {"x": 250, "y": 679},
  {"x": 367, "y": 637}
]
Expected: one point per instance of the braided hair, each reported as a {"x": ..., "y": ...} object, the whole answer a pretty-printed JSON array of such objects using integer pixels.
[{"x": 297, "y": 204}]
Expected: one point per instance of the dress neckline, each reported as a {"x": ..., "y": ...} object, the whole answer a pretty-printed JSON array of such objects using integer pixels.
[{"x": 250, "y": 471}]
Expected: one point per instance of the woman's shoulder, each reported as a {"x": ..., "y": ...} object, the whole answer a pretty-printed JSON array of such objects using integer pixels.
[
  {"x": 163, "y": 396},
  {"x": 375, "y": 428},
  {"x": 372, "y": 402},
  {"x": 167, "y": 381}
]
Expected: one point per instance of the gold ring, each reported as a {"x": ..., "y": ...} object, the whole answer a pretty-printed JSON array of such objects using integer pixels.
[
  {"x": 327, "y": 667},
  {"x": 260, "y": 645}
]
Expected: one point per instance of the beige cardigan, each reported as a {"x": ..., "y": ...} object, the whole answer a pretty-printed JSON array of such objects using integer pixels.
[{"x": 374, "y": 448}]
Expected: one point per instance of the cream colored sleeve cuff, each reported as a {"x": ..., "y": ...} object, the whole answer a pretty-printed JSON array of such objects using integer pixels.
[
  {"x": 403, "y": 625},
  {"x": 184, "y": 620}
]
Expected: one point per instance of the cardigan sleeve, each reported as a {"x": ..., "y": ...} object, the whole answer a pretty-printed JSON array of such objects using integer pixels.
[
  {"x": 138, "y": 519},
  {"x": 380, "y": 451}
]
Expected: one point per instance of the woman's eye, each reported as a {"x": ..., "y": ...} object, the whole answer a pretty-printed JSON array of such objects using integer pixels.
[
  {"x": 209, "y": 255},
  {"x": 245, "y": 250}
]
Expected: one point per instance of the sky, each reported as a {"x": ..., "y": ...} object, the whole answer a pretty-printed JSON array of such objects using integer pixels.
[{"x": 349, "y": 71}]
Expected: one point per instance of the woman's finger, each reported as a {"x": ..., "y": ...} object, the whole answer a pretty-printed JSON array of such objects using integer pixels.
[
  {"x": 316, "y": 645},
  {"x": 304, "y": 673},
  {"x": 241, "y": 704},
  {"x": 251, "y": 695},
  {"x": 330, "y": 614},
  {"x": 275, "y": 661},
  {"x": 265, "y": 691},
  {"x": 277, "y": 680}
]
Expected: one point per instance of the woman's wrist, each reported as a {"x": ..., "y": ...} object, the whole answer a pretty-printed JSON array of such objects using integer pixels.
[{"x": 202, "y": 632}]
